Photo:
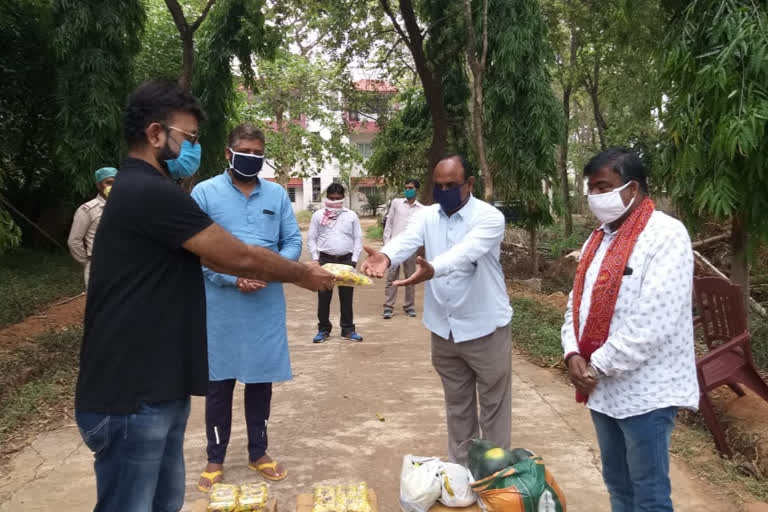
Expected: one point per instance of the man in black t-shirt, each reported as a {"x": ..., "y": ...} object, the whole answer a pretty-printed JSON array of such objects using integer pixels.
[{"x": 144, "y": 346}]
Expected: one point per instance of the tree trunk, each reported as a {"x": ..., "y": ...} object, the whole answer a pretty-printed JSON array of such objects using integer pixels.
[
  {"x": 593, "y": 88},
  {"x": 188, "y": 47},
  {"x": 563, "y": 164},
  {"x": 533, "y": 240},
  {"x": 431, "y": 83},
  {"x": 739, "y": 261}
]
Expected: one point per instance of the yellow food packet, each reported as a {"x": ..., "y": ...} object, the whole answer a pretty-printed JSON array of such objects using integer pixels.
[
  {"x": 346, "y": 275},
  {"x": 223, "y": 498},
  {"x": 324, "y": 499},
  {"x": 253, "y": 497}
]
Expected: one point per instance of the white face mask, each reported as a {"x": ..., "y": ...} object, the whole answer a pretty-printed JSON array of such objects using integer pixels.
[{"x": 609, "y": 207}]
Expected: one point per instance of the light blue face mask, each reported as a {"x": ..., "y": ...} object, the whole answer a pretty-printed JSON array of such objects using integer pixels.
[{"x": 188, "y": 161}]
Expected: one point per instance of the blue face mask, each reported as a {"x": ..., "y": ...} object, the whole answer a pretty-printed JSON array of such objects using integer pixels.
[
  {"x": 449, "y": 200},
  {"x": 410, "y": 193},
  {"x": 188, "y": 161}
]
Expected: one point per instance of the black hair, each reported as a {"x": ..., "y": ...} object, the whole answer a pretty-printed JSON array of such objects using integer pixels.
[
  {"x": 624, "y": 162},
  {"x": 155, "y": 101},
  {"x": 468, "y": 170},
  {"x": 335, "y": 188},
  {"x": 245, "y": 131},
  {"x": 413, "y": 182}
]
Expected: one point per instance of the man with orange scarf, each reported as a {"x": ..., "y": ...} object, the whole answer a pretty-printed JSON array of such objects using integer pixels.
[{"x": 628, "y": 331}]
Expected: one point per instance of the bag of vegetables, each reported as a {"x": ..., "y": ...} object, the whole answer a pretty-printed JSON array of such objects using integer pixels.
[
  {"x": 420, "y": 483},
  {"x": 513, "y": 481}
]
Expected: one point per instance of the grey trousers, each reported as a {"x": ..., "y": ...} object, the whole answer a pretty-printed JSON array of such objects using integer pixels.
[
  {"x": 476, "y": 372},
  {"x": 390, "y": 293}
]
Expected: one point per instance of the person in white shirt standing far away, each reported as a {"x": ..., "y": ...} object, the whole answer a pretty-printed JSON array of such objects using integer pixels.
[
  {"x": 400, "y": 212},
  {"x": 628, "y": 331},
  {"x": 335, "y": 236},
  {"x": 466, "y": 306}
]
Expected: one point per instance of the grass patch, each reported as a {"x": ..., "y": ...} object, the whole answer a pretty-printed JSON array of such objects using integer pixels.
[
  {"x": 30, "y": 279},
  {"x": 374, "y": 232},
  {"x": 536, "y": 329},
  {"x": 37, "y": 380},
  {"x": 692, "y": 442},
  {"x": 304, "y": 216}
]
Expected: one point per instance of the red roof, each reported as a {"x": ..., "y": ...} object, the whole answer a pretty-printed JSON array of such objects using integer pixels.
[
  {"x": 292, "y": 183},
  {"x": 374, "y": 85},
  {"x": 368, "y": 182}
]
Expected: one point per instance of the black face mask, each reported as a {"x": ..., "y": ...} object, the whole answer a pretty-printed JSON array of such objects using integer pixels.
[
  {"x": 449, "y": 200},
  {"x": 246, "y": 167}
]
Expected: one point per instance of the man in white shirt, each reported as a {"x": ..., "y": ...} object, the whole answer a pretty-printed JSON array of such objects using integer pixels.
[
  {"x": 86, "y": 221},
  {"x": 400, "y": 212},
  {"x": 466, "y": 306},
  {"x": 628, "y": 331},
  {"x": 335, "y": 236}
]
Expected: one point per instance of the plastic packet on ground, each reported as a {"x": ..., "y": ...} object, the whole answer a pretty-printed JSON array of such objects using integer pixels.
[
  {"x": 346, "y": 275},
  {"x": 253, "y": 497},
  {"x": 324, "y": 499},
  {"x": 223, "y": 498},
  {"x": 420, "y": 483},
  {"x": 456, "y": 481}
]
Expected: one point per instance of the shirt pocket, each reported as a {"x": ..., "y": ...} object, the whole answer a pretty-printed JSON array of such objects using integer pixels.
[
  {"x": 265, "y": 224},
  {"x": 629, "y": 292}
]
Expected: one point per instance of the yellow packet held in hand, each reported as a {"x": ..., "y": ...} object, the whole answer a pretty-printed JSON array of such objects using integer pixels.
[
  {"x": 347, "y": 275},
  {"x": 223, "y": 498}
]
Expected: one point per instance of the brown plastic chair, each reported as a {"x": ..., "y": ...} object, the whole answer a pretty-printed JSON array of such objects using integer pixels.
[{"x": 720, "y": 304}]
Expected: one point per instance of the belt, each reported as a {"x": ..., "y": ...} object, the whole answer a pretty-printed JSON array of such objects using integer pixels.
[{"x": 333, "y": 257}]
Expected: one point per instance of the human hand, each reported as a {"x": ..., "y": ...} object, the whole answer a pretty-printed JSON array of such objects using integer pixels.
[
  {"x": 316, "y": 278},
  {"x": 579, "y": 375},
  {"x": 250, "y": 285},
  {"x": 424, "y": 272},
  {"x": 376, "y": 264}
]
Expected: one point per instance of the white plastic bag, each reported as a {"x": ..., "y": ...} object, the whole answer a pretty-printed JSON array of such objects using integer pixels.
[
  {"x": 456, "y": 490},
  {"x": 420, "y": 484}
]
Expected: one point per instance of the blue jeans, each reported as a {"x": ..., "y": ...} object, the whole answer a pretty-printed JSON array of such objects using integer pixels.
[
  {"x": 635, "y": 453},
  {"x": 139, "y": 458}
]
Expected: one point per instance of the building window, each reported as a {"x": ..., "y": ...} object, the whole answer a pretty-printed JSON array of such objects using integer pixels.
[
  {"x": 316, "y": 194},
  {"x": 366, "y": 190},
  {"x": 365, "y": 149},
  {"x": 292, "y": 194}
]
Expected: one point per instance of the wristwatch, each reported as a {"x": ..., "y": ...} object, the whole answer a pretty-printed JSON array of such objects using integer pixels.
[{"x": 594, "y": 371}]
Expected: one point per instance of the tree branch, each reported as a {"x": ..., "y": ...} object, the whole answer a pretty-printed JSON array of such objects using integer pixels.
[
  {"x": 202, "y": 16},
  {"x": 178, "y": 15},
  {"x": 388, "y": 9}
]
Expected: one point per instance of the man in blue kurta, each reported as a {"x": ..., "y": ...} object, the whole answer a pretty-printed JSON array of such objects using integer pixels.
[{"x": 247, "y": 338}]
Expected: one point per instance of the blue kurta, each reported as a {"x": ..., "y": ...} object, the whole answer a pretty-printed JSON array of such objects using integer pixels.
[{"x": 247, "y": 338}]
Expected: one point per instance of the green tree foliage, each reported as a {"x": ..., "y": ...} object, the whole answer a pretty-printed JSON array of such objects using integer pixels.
[
  {"x": 521, "y": 114},
  {"x": 298, "y": 103},
  {"x": 716, "y": 118},
  {"x": 235, "y": 29},
  {"x": 161, "y": 53},
  {"x": 94, "y": 43},
  {"x": 26, "y": 105}
]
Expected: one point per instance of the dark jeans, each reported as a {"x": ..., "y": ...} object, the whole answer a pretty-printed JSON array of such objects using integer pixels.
[
  {"x": 635, "y": 453},
  {"x": 218, "y": 418},
  {"x": 345, "y": 298},
  {"x": 139, "y": 458}
]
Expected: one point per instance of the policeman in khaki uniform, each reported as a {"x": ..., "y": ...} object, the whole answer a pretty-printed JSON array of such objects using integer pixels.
[{"x": 86, "y": 221}]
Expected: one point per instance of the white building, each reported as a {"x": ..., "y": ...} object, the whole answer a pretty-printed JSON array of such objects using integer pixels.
[{"x": 307, "y": 193}]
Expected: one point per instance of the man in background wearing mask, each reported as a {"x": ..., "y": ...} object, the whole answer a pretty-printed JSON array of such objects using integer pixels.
[
  {"x": 87, "y": 219},
  {"x": 144, "y": 342},
  {"x": 628, "y": 331},
  {"x": 335, "y": 236},
  {"x": 247, "y": 338},
  {"x": 466, "y": 306},
  {"x": 400, "y": 212}
]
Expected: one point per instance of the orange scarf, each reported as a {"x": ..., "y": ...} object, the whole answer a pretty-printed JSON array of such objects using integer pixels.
[{"x": 606, "y": 288}]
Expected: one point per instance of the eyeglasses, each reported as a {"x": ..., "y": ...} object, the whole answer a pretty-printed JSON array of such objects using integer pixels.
[{"x": 193, "y": 138}]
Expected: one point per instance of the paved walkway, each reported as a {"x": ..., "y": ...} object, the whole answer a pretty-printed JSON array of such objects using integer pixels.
[{"x": 325, "y": 427}]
